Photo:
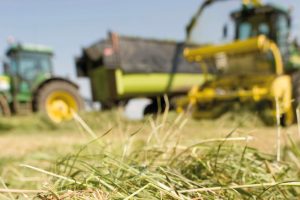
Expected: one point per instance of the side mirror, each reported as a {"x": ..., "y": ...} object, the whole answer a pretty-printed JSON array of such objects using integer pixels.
[
  {"x": 225, "y": 31},
  {"x": 5, "y": 67},
  {"x": 296, "y": 43}
]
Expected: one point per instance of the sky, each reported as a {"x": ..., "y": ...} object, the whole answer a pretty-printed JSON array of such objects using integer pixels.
[{"x": 69, "y": 25}]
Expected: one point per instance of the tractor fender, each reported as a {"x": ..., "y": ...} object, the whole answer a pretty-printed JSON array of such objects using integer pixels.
[
  {"x": 57, "y": 78},
  {"x": 45, "y": 82}
]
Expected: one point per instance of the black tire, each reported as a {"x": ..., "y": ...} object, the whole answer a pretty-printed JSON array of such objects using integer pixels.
[
  {"x": 4, "y": 107},
  {"x": 157, "y": 106},
  {"x": 296, "y": 92},
  {"x": 105, "y": 106},
  {"x": 296, "y": 88},
  {"x": 57, "y": 86},
  {"x": 150, "y": 109}
]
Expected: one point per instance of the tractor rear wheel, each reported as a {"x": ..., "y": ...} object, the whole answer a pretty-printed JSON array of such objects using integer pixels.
[
  {"x": 59, "y": 100},
  {"x": 4, "y": 107}
]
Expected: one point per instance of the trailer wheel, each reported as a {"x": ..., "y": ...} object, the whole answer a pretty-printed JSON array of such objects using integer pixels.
[
  {"x": 288, "y": 118},
  {"x": 296, "y": 90},
  {"x": 59, "y": 99},
  {"x": 157, "y": 106},
  {"x": 4, "y": 107}
]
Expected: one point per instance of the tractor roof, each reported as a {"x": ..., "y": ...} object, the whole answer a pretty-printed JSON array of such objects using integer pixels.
[
  {"x": 268, "y": 8},
  {"x": 36, "y": 48}
]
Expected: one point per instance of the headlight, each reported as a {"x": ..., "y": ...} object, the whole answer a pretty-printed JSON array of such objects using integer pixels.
[{"x": 4, "y": 83}]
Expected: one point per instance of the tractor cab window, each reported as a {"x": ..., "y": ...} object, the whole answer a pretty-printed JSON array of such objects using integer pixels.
[
  {"x": 32, "y": 65},
  {"x": 253, "y": 26},
  {"x": 264, "y": 29},
  {"x": 12, "y": 69},
  {"x": 245, "y": 31},
  {"x": 282, "y": 31},
  {"x": 27, "y": 69}
]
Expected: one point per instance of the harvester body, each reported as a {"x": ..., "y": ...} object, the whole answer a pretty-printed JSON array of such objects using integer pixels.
[{"x": 256, "y": 68}]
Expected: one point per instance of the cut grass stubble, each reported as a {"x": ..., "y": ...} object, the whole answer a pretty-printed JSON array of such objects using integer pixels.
[{"x": 164, "y": 169}]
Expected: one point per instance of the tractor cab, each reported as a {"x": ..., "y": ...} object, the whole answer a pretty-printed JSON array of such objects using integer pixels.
[
  {"x": 28, "y": 66},
  {"x": 269, "y": 20}
]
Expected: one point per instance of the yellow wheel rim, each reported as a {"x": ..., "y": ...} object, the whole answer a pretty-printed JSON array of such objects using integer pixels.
[{"x": 60, "y": 106}]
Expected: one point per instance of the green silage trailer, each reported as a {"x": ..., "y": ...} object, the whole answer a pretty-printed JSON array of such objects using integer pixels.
[{"x": 121, "y": 68}]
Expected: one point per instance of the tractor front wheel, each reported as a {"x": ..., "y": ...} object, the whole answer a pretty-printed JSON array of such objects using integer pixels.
[{"x": 59, "y": 100}]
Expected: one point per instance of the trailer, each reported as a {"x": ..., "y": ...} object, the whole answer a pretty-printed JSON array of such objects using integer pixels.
[{"x": 121, "y": 68}]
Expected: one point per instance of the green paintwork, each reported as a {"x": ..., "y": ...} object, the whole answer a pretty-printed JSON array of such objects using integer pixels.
[
  {"x": 279, "y": 8},
  {"x": 101, "y": 88},
  {"x": 294, "y": 58},
  {"x": 25, "y": 91},
  {"x": 29, "y": 48},
  {"x": 156, "y": 83},
  {"x": 108, "y": 85},
  {"x": 30, "y": 65}
]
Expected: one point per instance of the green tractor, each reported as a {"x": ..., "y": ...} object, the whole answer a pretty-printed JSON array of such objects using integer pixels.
[{"x": 28, "y": 85}]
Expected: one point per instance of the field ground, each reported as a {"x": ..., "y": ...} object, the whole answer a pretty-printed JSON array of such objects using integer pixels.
[{"x": 35, "y": 141}]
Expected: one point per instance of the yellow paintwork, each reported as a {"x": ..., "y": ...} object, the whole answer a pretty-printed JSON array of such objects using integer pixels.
[
  {"x": 155, "y": 83},
  {"x": 276, "y": 87},
  {"x": 114, "y": 84},
  {"x": 260, "y": 43},
  {"x": 256, "y": 93},
  {"x": 60, "y": 106},
  {"x": 277, "y": 58},
  {"x": 255, "y": 3},
  {"x": 237, "y": 47},
  {"x": 119, "y": 82},
  {"x": 248, "y": 87},
  {"x": 281, "y": 89}
]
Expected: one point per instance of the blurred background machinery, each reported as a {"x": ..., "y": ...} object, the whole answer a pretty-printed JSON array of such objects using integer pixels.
[
  {"x": 28, "y": 85},
  {"x": 260, "y": 67}
]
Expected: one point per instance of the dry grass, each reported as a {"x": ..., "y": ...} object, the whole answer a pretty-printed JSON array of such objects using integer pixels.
[{"x": 140, "y": 157}]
